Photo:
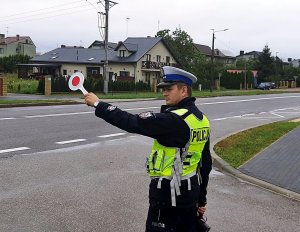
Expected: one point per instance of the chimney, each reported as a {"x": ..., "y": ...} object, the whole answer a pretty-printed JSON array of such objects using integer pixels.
[
  {"x": 62, "y": 46},
  {"x": 18, "y": 37},
  {"x": 242, "y": 53}
]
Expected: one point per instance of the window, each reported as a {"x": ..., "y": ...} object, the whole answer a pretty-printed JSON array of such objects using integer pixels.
[
  {"x": 64, "y": 72},
  {"x": 167, "y": 59},
  {"x": 122, "y": 53},
  {"x": 1, "y": 50},
  {"x": 158, "y": 58},
  {"x": 148, "y": 57},
  {"x": 94, "y": 71},
  {"x": 124, "y": 74},
  {"x": 148, "y": 77}
]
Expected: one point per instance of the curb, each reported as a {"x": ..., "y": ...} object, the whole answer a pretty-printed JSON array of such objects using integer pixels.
[{"x": 223, "y": 166}]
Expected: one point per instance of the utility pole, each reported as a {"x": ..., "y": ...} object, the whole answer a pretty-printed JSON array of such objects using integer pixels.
[
  {"x": 212, "y": 61},
  {"x": 245, "y": 74},
  {"x": 108, "y": 4},
  {"x": 212, "y": 58}
]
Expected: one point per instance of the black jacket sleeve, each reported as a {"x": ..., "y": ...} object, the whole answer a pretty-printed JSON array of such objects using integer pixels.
[
  {"x": 168, "y": 128},
  {"x": 205, "y": 168}
]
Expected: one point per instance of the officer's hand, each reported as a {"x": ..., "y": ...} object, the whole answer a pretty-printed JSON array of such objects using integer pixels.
[
  {"x": 90, "y": 99},
  {"x": 201, "y": 210}
]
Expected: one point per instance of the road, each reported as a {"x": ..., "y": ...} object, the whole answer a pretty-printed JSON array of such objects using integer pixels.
[{"x": 63, "y": 169}]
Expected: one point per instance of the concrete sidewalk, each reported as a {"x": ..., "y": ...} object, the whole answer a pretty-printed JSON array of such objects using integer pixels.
[
  {"x": 275, "y": 168},
  {"x": 279, "y": 164}
]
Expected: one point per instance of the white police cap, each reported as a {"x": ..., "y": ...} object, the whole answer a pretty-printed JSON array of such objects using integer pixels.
[{"x": 172, "y": 75}]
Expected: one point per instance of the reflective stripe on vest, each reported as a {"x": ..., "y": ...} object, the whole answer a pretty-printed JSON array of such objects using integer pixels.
[{"x": 176, "y": 163}]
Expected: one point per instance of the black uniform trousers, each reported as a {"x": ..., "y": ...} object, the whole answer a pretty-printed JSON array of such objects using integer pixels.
[
  {"x": 163, "y": 217},
  {"x": 172, "y": 219}
]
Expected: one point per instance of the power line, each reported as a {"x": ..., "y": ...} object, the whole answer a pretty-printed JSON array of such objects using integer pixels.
[
  {"x": 32, "y": 11},
  {"x": 46, "y": 17},
  {"x": 49, "y": 14}
]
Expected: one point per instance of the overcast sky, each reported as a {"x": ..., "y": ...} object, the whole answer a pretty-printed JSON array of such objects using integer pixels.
[{"x": 252, "y": 23}]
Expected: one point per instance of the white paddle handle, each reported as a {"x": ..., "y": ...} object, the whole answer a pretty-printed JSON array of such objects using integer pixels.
[{"x": 82, "y": 89}]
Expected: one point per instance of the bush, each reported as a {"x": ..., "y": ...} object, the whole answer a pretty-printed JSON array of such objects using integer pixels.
[
  {"x": 233, "y": 80},
  {"x": 60, "y": 84},
  {"x": 16, "y": 85},
  {"x": 8, "y": 64}
]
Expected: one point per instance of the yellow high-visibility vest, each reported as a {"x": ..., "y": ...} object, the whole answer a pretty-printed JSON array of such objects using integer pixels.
[
  {"x": 177, "y": 164},
  {"x": 161, "y": 159}
]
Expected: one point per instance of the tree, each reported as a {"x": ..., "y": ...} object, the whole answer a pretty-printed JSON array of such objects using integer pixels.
[
  {"x": 265, "y": 64},
  {"x": 182, "y": 46},
  {"x": 8, "y": 64}
]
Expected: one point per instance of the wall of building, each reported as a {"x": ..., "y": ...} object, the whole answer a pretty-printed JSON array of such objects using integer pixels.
[
  {"x": 118, "y": 67},
  {"x": 18, "y": 48},
  {"x": 71, "y": 68},
  {"x": 159, "y": 49}
]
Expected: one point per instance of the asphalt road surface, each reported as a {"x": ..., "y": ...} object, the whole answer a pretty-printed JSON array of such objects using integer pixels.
[{"x": 63, "y": 169}]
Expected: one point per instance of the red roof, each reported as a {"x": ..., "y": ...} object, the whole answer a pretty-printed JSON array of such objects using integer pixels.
[
  {"x": 14, "y": 39},
  {"x": 254, "y": 72}
]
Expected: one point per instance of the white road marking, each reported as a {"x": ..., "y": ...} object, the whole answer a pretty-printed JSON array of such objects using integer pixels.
[
  {"x": 14, "y": 149},
  {"x": 278, "y": 115},
  {"x": 71, "y": 141},
  {"x": 247, "y": 115},
  {"x": 247, "y": 100},
  {"x": 6, "y": 119},
  {"x": 220, "y": 119},
  {"x": 55, "y": 115},
  {"x": 111, "y": 135}
]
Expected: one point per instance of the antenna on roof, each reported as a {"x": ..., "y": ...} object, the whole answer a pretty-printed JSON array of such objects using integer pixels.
[{"x": 127, "y": 20}]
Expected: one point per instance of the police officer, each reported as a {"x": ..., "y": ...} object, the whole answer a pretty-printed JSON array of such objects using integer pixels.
[{"x": 180, "y": 161}]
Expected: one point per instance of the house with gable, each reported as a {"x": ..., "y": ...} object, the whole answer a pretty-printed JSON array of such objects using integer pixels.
[
  {"x": 16, "y": 45},
  {"x": 249, "y": 55},
  {"x": 135, "y": 59},
  {"x": 204, "y": 50},
  {"x": 223, "y": 56},
  {"x": 141, "y": 58}
]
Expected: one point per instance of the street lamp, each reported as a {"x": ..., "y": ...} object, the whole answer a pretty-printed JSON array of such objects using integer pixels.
[
  {"x": 213, "y": 56},
  {"x": 276, "y": 64}
]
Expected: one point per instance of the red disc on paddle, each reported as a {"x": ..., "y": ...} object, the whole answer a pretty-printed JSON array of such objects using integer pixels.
[{"x": 75, "y": 81}]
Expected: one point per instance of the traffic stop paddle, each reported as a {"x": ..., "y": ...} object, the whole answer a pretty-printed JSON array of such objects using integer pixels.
[{"x": 76, "y": 82}]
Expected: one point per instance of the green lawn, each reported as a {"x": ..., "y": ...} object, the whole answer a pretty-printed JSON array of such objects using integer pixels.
[{"x": 241, "y": 147}]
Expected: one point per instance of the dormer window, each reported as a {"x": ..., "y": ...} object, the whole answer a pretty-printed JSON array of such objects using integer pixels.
[{"x": 122, "y": 53}]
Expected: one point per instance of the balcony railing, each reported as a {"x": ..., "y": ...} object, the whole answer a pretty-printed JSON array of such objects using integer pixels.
[{"x": 155, "y": 65}]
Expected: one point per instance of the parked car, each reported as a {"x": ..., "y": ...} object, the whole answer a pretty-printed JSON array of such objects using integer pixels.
[
  {"x": 272, "y": 85},
  {"x": 266, "y": 85}
]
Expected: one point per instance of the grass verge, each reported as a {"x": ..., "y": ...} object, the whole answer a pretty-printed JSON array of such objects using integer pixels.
[{"x": 241, "y": 147}]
